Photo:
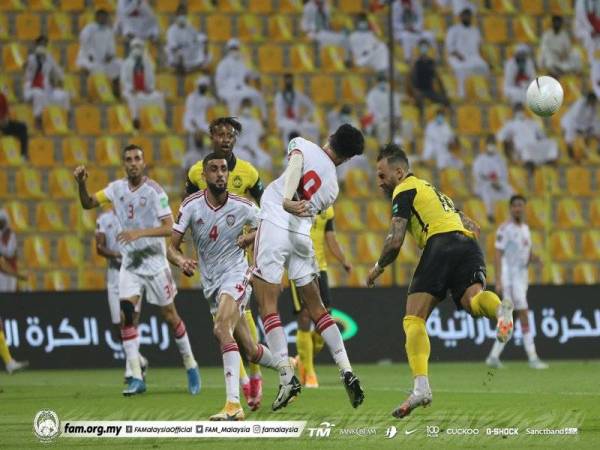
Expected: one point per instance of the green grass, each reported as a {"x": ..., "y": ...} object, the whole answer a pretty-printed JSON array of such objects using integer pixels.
[{"x": 465, "y": 395}]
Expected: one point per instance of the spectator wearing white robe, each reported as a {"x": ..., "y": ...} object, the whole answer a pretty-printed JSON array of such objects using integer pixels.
[
  {"x": 248, "y": 145},
  {"x": 136, "y": 19},
  {"x": 519, "y": 71},
  {"x": 294, "y": 111},
  {"x": 557, "y": 55},
  {"x": 439, "y": 141},
  {"x": 186, "y": 49},
  {"x": 586, "y": 21},
  {"x": 367, "y": 49},
  {"x": 378, "y": 110},
  {"x": 581, "y": 119},
  {"x": 408, "y": 25},
  {"x": 315, "y": 23},
  {"x": 195, "y": 120}
]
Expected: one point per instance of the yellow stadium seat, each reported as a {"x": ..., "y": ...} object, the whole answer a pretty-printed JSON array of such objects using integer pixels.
[
  {"x": 302, "y": 59},
  {"x": 357, "y": 184},
  {"x": 83, "y": 219},
  {"x": 270, "y": 58},
  {"x": 100, "y": 88},
  {"x": 280, "y": 28},
  {"x": 4, "y": 189},
  {"x": 250, "y": 28},
  {"x": 200, "y": 6},
  {"x": 590, "y": 242},
  {"x": 525, "y": 29},
  {"x": 562, "y": 246},
  {"x": 70, "y": 252},
  {"x": 532, "y": 8},
  {"x": 518, "y": 179},
  {"x": 146, "y": 144},
  {"x": 354, "y": 89},
  {"x": 469, "y": 119},
  {"x": 72, "y": 52},
  {"x": 72, "y": 86},
  {"x": 41, "y": 5},
  {"x": 54, "y": 121},
  {"x": 218, "y": 28},
  {"x": 11, "y": 5},
  {"x": 37, "y": 251},
  {"x": 97, "y": 179},
  {"x": 23, "y": 113},
  {"x": 108, "y": 151},
  {"x": 491, "y": 53},
  {"x": 28, "y": 26},
  {"x": 498, "y": 115},
  {"x": 3, "y": 28},
  {"x": 546, "y": 181},
  {"x": 229, "y": 6},
  {"x": 378, "y": 215},
  {"x": 166, "y": 6},
  {"x": 579, "y": 181},
  {"x": 152, "y": 119},
  {"x": 13, "y": 57},
  {"x": 369, "y": 246},
  {"x": 568, "y": 214},
  {"x": 178, "y": 113},
  {"x": 585, "y": 273},
  {"x": 29, "y": 184},
  {"x": 595, "y": 212},
  {"x": 61, "y": 183},
  {"x": 167, "y": 83},
  {"x": 452, "y": 183},
  {"x": 57, "y": 280},
  {"x": 475, "y": 209},
  {"x": 351, "y": 6},
  {"x": 436, "y": 23},
  {"x": 359, "y": 274},
  {"x": 74, "y": 151},
  {"x": 348, "y": 216},
  {"x": 495, "y": 29},
  {"x": 119, "y": 121},
  {"x": 93, "y": 280},
  {"x": 561, "y": 7},
  {"x": 332, "y": 58},
  {"x": 554, "y": 273},
  {"x": 165, "y": 176},
  {"x": 48, "y": 217},
  {"x": 10, "y": 151},
  {"x": 215, "y": 111},
  {"x": 41, "y": 152},
  {"x": 538, "y": 213},
  {"x": 72, "y": 5},
  {"x": 19, "y": 215},
  {"x": 290, "y": 6},
  {"x": 87, "y": 120},
  {"x": 323, "y": 89},
  {"x": 59, "y": 27},
  {"x": 477, "y": 89},
  {"x": 572, "y": 88},
  {"x": 109, "y": 5},
  {"x": 172, "y": 149}
]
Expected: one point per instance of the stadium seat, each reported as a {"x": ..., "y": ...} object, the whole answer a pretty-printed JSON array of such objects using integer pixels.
[
  {"x": 554, "y": 273},
  {"x": 165, "y": 176},
  {"x": 524, "y": 29},
  {"x": 561, "y": 7},
  {"x": 72, "y": 5},
  {"x": 57, "y": 280},
  {"x": 48, "y": 217},
  {"x": 172, "y": 149},
  {"x": 74, "y": 151},
  {"x": 250, "y": 28},
  {"x": 562, "y": 246},
  {"x": 92, "y": 280},
  {"x": 435, "y": 23},
  {"x": 546, "y": 181},
  {"x": 279, "y": 28},
  {"x": 359, "y": 274},
  {"x": 354, "y": 89},
  {"x": 590, "y": 242},
  {"x": 87, "y": 120},
  {"x": 6, "y": 83},
  {"x": 82, "y": 219},
  {"x": 146, "y": 144},
  {"x": 4, "y": 34},
  {"x": 70, "y": 252},
  {"x": 166, "y": 6},
  {"x": 290, "y": 6},
  {"x": 323, "y": 89},
  {"x": 4, "y": 188},
  {"x": 497, "y": 116},
  {"x": 12, "y": 5},
  {"x": 37, "y": 251},
  {"x": 109, "y": 5},
  {"x": 19, "y": 215},
  {"x": 532, "y": 8},
  {"x": 585, "y": 273},
  {"x": 61, "y": 183},
  {"x": 332, "y": 58},
  {"x": 218, "y": 27},
  {"x": 595, "y": 212},
  {"x": 100, "y": 88},
  {"x": 29, "y": 183},
  {"x": 178, "y": 111},
  {"x": 54, "y": 121},
  {"x": 72, "y": 52},
  {"x": 351, "y": 6},
  {"x": 10, "y": 151},
  {"x": 368, "y": 246},
  {"x": 491, "y": 53},
  {"x": 97, "y": 179},
  {"x": 477, "y": 89},
  {"x": 270, "y": 58},
  {"x": 568, "y": 214},
  {"x": 475, "y": 209},
  {"x": 453, "y": 184},
  {"x": 538, "y": 213},
  {"x": 59, "y": 26},
  {"x": 152, "y": 119},
  {"x": 72, "y": 85},
  {"x": 348, "y": 216},
  {"x": 502, "y": 6},
  {"x": 200, "y": 6},
  {"x": 28, "y": 26},
  {"x": 579, "y": 181},
  {"x": 357, "y": 184},
  {"x": 108, "y": 151},
  {"x": 167, "y": 84},
  {"x": 495, "y": 29},
  {"x": 229, "y": 6},
  {"x": 572, "y": 88},
  {"x": 13, "y": 57},
  {"x": 302, "y": 59},
  {"x": 468, "y": 119},
  {"x": 41, "y": 152},
  {"x": 518, "y": 179},
  {"x": 378, "y": 215},
  {"x": 119, "y": 121}
]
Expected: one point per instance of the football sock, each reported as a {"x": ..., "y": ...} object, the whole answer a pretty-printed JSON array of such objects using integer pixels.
[
  {"x": 4, "y": 351},
  {"x": 278, "y": 346},
  {"x": 318, "y": 342},
  {"x": 253, "y": 368},
  {"x": 417, "y": 344},
  {"x": 129, "y": 337},
  {"x": 264, "y": 358},
  {"x": 333, "y": 338},
  {"x": 497, "y": 349},
  {"x": 128, "y": 368},
  {"x": 529, "y": 345},
  {"x": 231, "y": 367},
  {"x": 183, "y": 344},
  {"x": 421, "y": 384},
  {"x": 304, "y": 343},
  {"x": 485, "y": 304},
  {"x": 243, "y": 375}
]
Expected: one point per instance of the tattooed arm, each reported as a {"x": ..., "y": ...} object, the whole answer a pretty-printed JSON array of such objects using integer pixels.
[
  {"x": 391, "y": 248},
  {"x": 469, "y": 223}
]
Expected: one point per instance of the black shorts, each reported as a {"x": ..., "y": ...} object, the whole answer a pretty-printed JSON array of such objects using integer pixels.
[
  {"x": 323, "y": 290},
  {"x": 450, "y": 262}
]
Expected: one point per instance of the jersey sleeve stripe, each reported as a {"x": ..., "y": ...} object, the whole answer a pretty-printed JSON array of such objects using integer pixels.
[
  {"x": 164, "y": 216},
  {"x": 241, "y": 199},
  {"x": 154, "y": 185},
  {"x": 192, "y": 197},
  {"x": 178, "y": 231}
]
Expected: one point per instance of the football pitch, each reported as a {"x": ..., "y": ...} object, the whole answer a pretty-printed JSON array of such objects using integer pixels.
[{"x": 466, "y": 395}]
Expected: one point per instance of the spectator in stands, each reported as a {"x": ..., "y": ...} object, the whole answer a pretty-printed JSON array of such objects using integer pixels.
[
  {"x": 42, "y": 75},
  {"x": 8, "y": 251},
  {"x": 186, "y": 48},
  {"x": 97, "y": 49},
  {"x": 408, "y": 25},
  {"x": 248, "y": 143},
  {"x": 457, "y": 6},
  {"x": 582, "y": 119},
  {"x": 525, "y": 141},
  {"x": 586, "y": 23},
  {"x": 490, "y": 177},
  {"x": 10, "y": 127},
  {"x": 594, "y": 61},
  {"x": 338, "y": 117},
  {"x": 136, "y": 19},
  {"x": 138, "y": 81},
  {"x": 556, "y": 51},
  {"x": 367, "y": 49},
  {"x": 519, "y": 71},
  {"x": 425, "y": 82},
  {"x": 378, "y": 110},
  {"x": 294, "y": 111},
  {"x": 441, "y": 143},
  {"x": 195, "y": 122},
  {"x": 232, "y": 81},
  {"x": 462, "y": 46},
  {"x": 316, "y": 24}
]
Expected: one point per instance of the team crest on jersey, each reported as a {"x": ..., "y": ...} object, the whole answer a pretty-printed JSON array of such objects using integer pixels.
[
  {"x": 230, "y": 219},
  {"x": 200, "y": 221},
  {"x": 143, "y": 201},
  {"x": 237, "y": 181}
]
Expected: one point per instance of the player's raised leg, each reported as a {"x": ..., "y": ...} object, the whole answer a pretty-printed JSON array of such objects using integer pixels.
[
  {"x": 9, "y": 363},
  {"x": 481, "y": 303}
]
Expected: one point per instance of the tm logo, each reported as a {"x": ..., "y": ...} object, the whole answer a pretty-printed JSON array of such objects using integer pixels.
[
  {"x": 323, "y": 430},
  {"x": 391, "y": 432}
]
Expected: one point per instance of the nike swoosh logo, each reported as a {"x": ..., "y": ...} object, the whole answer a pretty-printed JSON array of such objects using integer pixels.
[{"x": 409, "y": 432}]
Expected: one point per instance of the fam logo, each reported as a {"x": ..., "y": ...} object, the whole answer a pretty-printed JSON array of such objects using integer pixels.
[
  {"x": 46, "y": 425},
  {"x": 323, "y": 430}
]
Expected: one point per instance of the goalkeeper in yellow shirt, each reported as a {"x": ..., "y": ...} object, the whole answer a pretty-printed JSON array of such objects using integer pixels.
[
  {"x": 243, "y": 180},
  {"x": 308, "y": 342}
]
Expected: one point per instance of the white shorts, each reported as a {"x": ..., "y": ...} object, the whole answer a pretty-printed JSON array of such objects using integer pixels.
[
  {"x": 159, "y": 288},
  {"x": 515, "y": 289},
  {"x": 277, "y": 249},
  {"x": 236, "y": 285},
  {"x": 112, "y": 289}
]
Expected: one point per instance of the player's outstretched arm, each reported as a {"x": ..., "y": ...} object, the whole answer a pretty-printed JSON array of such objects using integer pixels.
[
  {"x": 176, "y": 256},
  {"x": 391, "y": 247},
  {"x": 87, "y": 201}
]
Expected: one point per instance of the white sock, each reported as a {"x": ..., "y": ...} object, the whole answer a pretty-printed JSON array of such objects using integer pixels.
[
  {"x": 497, "y": 349},
  {"x": 127, "y": 369},
  {"x": 421, "y": 384},
  {"x": 231, "y": 369},
  {"x": 183, "y": 344},
  {"x": 278, "y": 346},
  {"x": 244, "y": 381},
  {"x": 265, "y": 358},
  {"x": 129, "y": 336},
  {"x": 333, "y": 338},
  {"x": 529, "y": 346}
]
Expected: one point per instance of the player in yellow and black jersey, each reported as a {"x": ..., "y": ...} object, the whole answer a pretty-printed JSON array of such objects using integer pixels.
[
  {"x": 243, "y": 180},
  {"x": 452, "y": 261}
]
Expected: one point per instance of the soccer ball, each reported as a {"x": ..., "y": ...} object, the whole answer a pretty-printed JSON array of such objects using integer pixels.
[{"x": 544, "y": 96}]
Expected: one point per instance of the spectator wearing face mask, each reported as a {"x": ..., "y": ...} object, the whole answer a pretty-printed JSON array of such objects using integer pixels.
[
  {"x": 490, "y": 177},
  {"x": 338, "y": 117},
  {"x": 440, "y": 142},
  {"x": 138, "y": 81},
  {"x": 294, "y": 111},
  {"x": 378, "y": 109},
  {"x": 367, "y": 49},
  {"x": 316, "y": 24},
  {"x": 195, "y": 122},
  {"x": 556, "y": 51},
  {"x": 408, "y": 25},
  {"x": 425, "y": 82},
  {"x": 136, "y": 19},
  {"x": 186, "y": 48},
  {"x": 248, "y": 143},
  {"x": 519, "y": 71},
  {"x": 581, "y": 119}
]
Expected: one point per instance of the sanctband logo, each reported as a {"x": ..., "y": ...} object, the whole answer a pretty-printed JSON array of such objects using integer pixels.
[
  {"x": 322, "y": 431},
  {"x": 46, "y": 425}
]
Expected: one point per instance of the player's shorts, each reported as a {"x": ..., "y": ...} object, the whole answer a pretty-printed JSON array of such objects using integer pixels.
[
  {"x": 159, "y": 288},
  {"x": 450, "y": 262},
  {"x": 277, "y": 249},
  {"x": 323, "y": 290},
  {"x": 112, "y": 288},
  {"x": 514, "y": 287},
  {"x": 237, "y": 286}
]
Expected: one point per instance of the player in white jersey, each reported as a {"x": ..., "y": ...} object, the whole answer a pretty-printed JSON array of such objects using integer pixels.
[
  {"x": 288, "y": 207},
  {"x": 513, "y": 255},
  {"x": 217, "y": 219},
  {"x": 142, "y": 209}
]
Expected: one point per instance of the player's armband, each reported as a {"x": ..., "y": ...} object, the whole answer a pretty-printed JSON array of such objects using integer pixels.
[
  {"x": 102, "y": 197},
  {"x": 402, "y": 203}
]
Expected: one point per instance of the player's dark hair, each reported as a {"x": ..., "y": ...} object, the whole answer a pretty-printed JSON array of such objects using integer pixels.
[
  {"x": 516, "y": 198},
  {"x": 209, "y": 158},
  {"x": 220, "y": 121},
  {"x": 347, "y": 141},
  {"x": 132, "y": 147},
  {"x": 393, "y": 154}
]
